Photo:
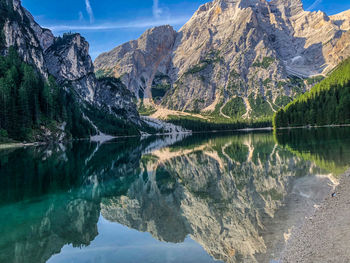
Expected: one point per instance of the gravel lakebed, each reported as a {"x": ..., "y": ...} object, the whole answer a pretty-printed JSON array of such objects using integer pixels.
[{"x": 324, "y": 236}]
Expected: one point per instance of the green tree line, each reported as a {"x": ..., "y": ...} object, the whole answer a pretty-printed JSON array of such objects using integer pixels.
[
  {"x": 27, "y": 102},
  {"x": 326, "y": 103},
  {"x": 202, "y": 125}
]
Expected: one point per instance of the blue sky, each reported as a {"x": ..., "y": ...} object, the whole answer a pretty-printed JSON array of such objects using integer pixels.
[{"x": 109, "y": 23}]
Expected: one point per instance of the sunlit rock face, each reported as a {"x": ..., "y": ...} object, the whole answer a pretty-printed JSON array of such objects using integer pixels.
[
  {"x": 137, "y": 62},
  {"x": 225, "y": 194},
  {"x": 22, "y": 31},
  {"x": 232, "y": 48}
]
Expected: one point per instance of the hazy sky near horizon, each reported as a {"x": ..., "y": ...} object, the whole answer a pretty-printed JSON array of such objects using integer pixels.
[{"x": 109, "y": 23}]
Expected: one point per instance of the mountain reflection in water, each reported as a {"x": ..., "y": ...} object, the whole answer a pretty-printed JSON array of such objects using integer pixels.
[{"x": 229, "y": 197}]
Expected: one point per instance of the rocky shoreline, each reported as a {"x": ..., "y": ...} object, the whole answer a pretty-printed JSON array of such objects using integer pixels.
[{"x": 324, "y": 236}]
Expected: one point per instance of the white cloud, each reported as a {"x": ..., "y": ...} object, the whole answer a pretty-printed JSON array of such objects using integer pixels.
[
  {"x": 156, "y": 10},
  {"x": 114, "y": 26},
  {"x": 314, "y": 5},
  {"x": 89, "y": 10}
]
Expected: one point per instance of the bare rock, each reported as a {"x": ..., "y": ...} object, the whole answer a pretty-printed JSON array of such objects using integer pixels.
[{"x": 228, "y": 49}]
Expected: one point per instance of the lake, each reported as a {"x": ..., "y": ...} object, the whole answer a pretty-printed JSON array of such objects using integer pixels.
[{"x": 228, "y": 197}]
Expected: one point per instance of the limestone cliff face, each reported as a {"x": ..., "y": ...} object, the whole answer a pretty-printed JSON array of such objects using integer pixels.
[
  {"x": 113, "y": 96},
  {"x": 20, "y": 30},
  {"x": 68, "y": 59},
  {"x": 342, "y": 20},
  {"x": 137, "y": 62},
  {"x": 234, "y": 48}
]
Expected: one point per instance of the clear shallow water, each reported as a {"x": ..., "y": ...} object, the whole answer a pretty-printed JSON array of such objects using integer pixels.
[{"x": 202, "y": 198}]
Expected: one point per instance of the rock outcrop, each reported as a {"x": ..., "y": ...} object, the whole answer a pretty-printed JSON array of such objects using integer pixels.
[
  {"x": 68, "y": 59},
  {"x": 20, "y": 30},
  {"x": 246, "y": 50},
  {"x": 137, "y": 62},
  {"x": 342, "y": 20}
]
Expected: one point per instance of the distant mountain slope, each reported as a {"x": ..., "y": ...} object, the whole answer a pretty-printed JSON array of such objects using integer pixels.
[
  {"x": 95, "y": 105},
  {"x": 137, "y": 62},
  {"x": 325, "y": 104},
  {"x": 238, "y": 54},
  {"x": 342, "y": 20}
]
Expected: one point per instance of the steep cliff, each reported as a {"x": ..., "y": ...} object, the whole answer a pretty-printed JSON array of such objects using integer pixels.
[
  {"x": 19, "y": 29},
  {"x": 236, "y": 56},
  {"x": 68, "y": 60},
  {"x": 137, "y": 62},
  {"x": 104, "y": 106}
]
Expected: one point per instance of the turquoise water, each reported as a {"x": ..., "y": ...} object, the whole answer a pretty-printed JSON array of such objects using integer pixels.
[{"x": 202, "y": 198}]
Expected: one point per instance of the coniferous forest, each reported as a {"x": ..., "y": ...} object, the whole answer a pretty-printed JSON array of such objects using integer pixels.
[
  {"x": 27, "y": 102},
  {"x": 32, "y": 107},
  {"x": 327, "y": 103}
]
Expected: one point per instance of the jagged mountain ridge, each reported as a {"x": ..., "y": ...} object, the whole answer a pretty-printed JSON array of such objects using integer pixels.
[
  {"x": 67, "y": 59},
  {"x": 231, "y": 48},
  {"x": 132, "y": 60}
]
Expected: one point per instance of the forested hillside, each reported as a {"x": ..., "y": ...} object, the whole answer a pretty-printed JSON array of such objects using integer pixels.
[
  {"x": 326, "y": 103},
  {"x": 35, "y": 109},
  {"x": 48, "y": 89},
  {"x": 28, "y": 102}
]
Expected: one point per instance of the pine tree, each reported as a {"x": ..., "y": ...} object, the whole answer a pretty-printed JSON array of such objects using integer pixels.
[{"x": 327, "y": 103}]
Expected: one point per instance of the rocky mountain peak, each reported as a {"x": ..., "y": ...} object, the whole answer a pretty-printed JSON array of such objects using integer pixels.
[
  {"x": 288, "y": 7},
  {"x": 287, "y": 3},
  {"x": 68, "y": 57},
  {"x": 342, "y": 20},
  {"x": 138, "y": 62},
  {"x": 17, "y": 4},
  {"x": 291, "y": 7},
  {"x": 156, "y": 37}
]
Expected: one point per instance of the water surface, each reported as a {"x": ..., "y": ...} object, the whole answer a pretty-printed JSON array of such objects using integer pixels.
[{"x": 202, "y": 198}]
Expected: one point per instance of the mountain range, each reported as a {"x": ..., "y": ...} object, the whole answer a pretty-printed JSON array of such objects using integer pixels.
[
  {"x": 234, "y": 59},
  {"x": 66, "y": 99}
]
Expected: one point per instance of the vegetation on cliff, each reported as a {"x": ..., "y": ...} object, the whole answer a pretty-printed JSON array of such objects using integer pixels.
[
  {"x": 32, "y": 108},
  {"x": 28, "y": 102},
  {"x": 326, "y": 103}
]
